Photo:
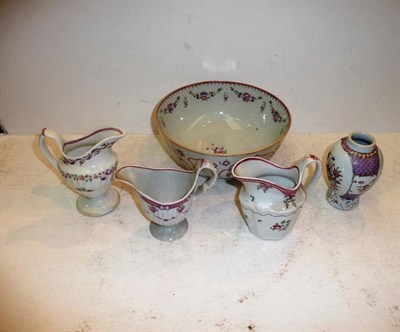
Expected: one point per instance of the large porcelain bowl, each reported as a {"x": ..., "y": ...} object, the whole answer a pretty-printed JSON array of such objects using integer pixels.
[{"x": 222, "y": 122}]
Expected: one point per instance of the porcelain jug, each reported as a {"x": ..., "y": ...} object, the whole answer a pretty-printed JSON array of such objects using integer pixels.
[
  {"x": 87, "y": 165},
  {"x": 166, "y": 195},
  {"x": 272, "y": 196}
]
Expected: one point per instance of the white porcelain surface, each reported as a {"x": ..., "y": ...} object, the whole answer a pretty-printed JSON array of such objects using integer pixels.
[
  {"x": 221, "y": 122},
  {"x": 61, "y": 271},
  {"x": 272, "y": 196},
  {"x": 87, "y": 165}
]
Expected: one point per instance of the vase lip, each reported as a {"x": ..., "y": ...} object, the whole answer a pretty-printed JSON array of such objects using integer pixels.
[{"x": 361, "y": 141}]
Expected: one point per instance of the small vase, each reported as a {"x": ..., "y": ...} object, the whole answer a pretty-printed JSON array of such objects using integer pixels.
[{"x": 354, "y": 164}]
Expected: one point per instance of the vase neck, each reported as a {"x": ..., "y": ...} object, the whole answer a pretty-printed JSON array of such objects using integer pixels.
[{"x": 361, "y": 142}]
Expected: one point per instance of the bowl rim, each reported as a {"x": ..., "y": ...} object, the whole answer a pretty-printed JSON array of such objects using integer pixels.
[{"x": 244, "y": 153}]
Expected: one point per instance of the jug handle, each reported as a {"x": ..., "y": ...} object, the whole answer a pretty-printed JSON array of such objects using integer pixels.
[
  {"x": 205, "y": 164},
  {"x": 48, "y": 133},
  {"x": 303, "y": 163}
]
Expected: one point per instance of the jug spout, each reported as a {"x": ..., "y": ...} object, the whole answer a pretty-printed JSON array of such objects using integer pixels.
[
  {"x": 161, "y": 185},
  {"x": 165, "y": 186},
  {"x": 257, "y": 174},
  {"x": 83, "y": 149},
  {"x": 263, "y": 174}
]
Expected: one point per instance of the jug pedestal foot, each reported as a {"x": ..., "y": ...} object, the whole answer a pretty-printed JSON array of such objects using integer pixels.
[
  {"x": 169, "y": 233},
  {"x": 341, "y": 203},
  {"x": 98, "y": 206}
]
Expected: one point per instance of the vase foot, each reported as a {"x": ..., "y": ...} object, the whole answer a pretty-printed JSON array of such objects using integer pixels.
[
  {"x": 339, "y": 202},
  {"x": 98, "y": 206},
  {"x": 169, "y": 233}
]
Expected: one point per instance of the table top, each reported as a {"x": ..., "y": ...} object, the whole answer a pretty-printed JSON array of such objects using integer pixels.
[{"x": 62, "y": 271}]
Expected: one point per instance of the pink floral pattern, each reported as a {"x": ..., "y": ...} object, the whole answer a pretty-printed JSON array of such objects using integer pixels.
[
  {"x": 289, "y": 200},
  {"x": 90, "y": 155},
  {"x": 217, "y": 149},
  {"x": 225, "y": 163},
  {"x": 289, "y": 195},
  {"x": 204, "y": 95},
  {"x": 171, "y": 106},
  {"x": 275, "y": 114},
  {"x": 334, "y": 173},
  {"x": 102, "y": 176},
  {"x": 281, "y": 226},
  {"x": 245, "y": 96},
  {"x": 157, "y": 211},
  {"x": 83, "y": 189}
]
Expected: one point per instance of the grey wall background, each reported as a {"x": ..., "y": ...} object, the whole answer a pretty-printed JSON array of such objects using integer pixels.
[{"x": 79, "y": 65}]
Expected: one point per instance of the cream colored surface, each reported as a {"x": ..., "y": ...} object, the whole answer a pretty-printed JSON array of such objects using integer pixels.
[{"x": 61, "y": 271}]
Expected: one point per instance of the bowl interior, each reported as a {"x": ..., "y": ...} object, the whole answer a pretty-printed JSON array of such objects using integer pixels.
[{"x": 222, "y": 118}]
